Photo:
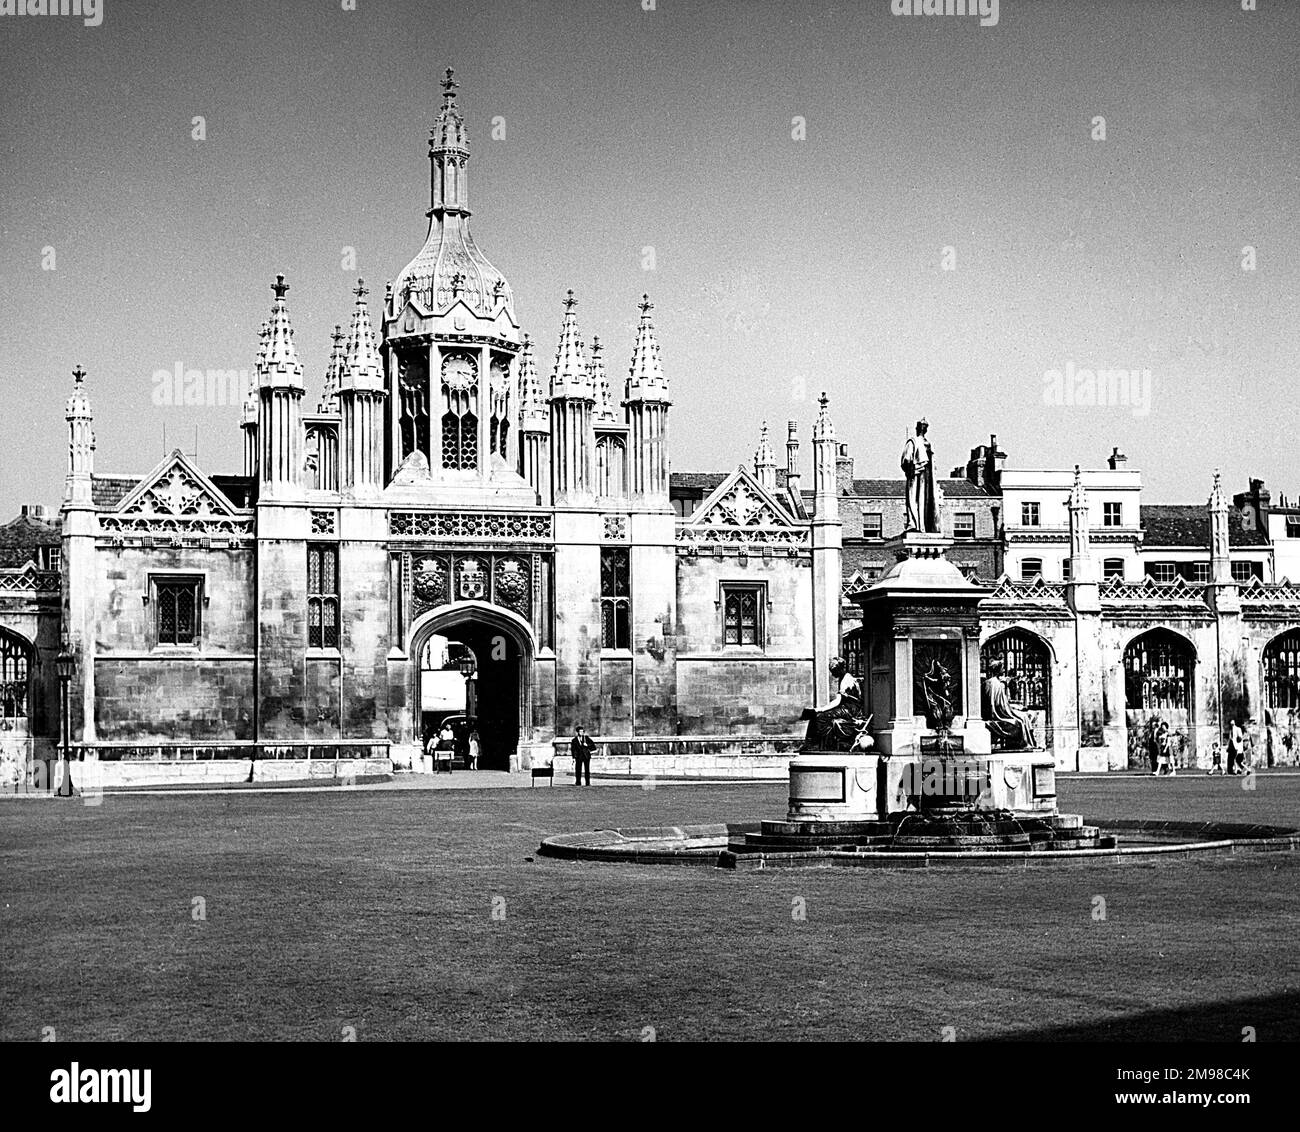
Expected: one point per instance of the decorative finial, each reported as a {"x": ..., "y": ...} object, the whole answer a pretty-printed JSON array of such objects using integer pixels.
[
  {"x": 338, "y": 332},
  {"x": 280, "y": 287},
  {"x": 79, "y": 375},
  {"x": 823, "y": 400},
  {"x": 457, "y": 284},
  {"x": 449, "y": 85},
  {"x": 570, "y": 302},
  {"x": 596, "y": 347},
  {"x": 645, "y": 304},
  {"x": 361, "y": 290},
  {"x": 388, "y": 290}
]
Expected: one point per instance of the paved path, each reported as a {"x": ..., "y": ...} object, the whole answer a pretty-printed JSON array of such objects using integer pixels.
[{"x": 500, "y": 780}]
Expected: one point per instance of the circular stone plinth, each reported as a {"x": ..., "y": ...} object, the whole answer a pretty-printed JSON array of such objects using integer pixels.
[{"x": 732, "y": 846}]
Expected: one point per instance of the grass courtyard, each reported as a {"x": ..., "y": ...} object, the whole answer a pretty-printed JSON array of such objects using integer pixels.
[{"x": 374, "y": 909}]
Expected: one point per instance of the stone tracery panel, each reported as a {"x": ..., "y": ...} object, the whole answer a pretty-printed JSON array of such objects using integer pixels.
[{"x": 468, "y": 525}]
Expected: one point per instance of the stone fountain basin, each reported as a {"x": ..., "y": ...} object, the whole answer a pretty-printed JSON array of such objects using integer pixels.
[{"x": 723, "y": 846}]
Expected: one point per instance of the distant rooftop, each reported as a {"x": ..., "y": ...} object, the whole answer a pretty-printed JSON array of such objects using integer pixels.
[{"x": 1188, "y": 525}]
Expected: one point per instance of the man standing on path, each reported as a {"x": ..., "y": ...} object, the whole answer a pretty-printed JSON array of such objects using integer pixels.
[{"x": 581, "y": 749}]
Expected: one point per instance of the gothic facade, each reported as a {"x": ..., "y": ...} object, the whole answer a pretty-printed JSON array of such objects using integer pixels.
[
  {"x": 446, "y": 496},
  {"x": 457, "y": 525}
]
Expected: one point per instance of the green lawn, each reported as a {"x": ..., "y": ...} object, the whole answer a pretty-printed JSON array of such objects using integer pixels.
[{"x": 375, "y": 910}]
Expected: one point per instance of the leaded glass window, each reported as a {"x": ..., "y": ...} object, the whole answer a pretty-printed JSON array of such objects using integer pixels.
[
  {"x": 615, "y": 600},
  {"x": 15, "y": 683},
  {"x": 322, "y": 596},
  {"x": 177, "y": 610},
  {"x": 742, "y": 615}
]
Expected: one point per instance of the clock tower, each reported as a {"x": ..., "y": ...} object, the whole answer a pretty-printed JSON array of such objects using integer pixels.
[{"x": 450, "y": 341}]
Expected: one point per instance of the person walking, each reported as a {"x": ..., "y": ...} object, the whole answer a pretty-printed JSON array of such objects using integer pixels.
[
  {"x": 1236, "y": 748},
  {"x": 1164, "y": 747},
  {"x": 1216, "y": 758},
  {"x": 473, "y": 750},
  {"x": 581, "y": 748}
]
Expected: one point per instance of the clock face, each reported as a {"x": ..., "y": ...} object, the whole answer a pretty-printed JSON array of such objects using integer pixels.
[{"x": 459, "y": 372}]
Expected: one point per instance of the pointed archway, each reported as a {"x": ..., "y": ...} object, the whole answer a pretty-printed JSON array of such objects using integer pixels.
[{"x": 503, "y": 647}]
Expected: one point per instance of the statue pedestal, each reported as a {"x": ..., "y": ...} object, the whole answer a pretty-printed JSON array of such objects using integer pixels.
[
  {"x": 833, "y": 786},
  {"x": 922, "y": 674}
]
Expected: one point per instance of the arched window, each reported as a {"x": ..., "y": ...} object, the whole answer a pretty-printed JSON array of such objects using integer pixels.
[
  {"x": 413, "y": 400},
  {"x": 1282, "y": 672},
  {"x": 1158, "y": 672},
  {"x": 852, "y": 651},
  {"x": 1026, "y": 666},
  {"x": 609, "y": 466},
  {"x": 15, "y": 684}
]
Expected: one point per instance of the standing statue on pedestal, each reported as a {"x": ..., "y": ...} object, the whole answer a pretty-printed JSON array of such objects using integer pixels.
[{"x": 918, "y": 466}]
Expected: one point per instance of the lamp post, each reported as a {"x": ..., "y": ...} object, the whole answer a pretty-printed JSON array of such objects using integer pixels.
[
  {"x": 467, "y": 668},
  {"x": 65, "y": 664}
]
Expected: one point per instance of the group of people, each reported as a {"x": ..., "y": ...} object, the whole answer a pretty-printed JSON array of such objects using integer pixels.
[
  {"x": 1238, "y": 752},
  {"x": 447, "y": 746},
  {"x": 1162, "y": 750}
]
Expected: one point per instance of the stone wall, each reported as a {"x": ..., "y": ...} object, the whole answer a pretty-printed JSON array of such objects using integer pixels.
[
  {"x": 144, "y": 690},
  {"x": 282, "y": 668},
  {"x": 724, "y": 689},
  {"x": 365, "y": 636}
]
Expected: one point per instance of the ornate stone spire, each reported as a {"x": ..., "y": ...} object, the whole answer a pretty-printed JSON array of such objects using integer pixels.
[
  {"x": 448, "y": 153},
  {"x": 255, "y": 378},
  {"x": 333, "y": 372},
  {"x": 281, "y": 367},
  {"x": 450, "y": 269},
  {"x": 599, "y": 380},
  {"x": 1081, "y": 570},
  {"x": 824, "y": 429},
  {"x": 1220, "y": 559},
  {"x": 362, "y": 366},
  {"x": 78, "y": 406},
  {"x": 646, "y": 381},
  {"x": 533, "y": 407},
  {"x": 81, "y": 442},
  {"x": 765, "y": 461},
  {"x": 571, "y": 375}
]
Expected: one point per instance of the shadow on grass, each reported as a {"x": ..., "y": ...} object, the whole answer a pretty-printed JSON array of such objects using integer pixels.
[{"x": 1273, "y": 1017}]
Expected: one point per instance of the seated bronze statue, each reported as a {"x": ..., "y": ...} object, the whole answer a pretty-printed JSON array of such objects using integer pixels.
[
  {"x": 1008, "y": 724},
  {"x": 840, "y": 725}
]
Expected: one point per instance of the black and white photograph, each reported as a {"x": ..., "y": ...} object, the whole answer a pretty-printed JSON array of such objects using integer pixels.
[{"x": 650, "y": 521}]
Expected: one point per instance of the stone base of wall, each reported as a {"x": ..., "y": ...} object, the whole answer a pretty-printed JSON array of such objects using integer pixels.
[
  {"x": 682, "y": 756},
  {"x": 92, "y": 776},
  {"x": 108, "y": 766}
]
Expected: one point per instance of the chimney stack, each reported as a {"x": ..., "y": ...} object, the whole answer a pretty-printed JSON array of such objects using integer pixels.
[
  {"x": 843, "y": 470},
  {"x": 792, "y": 456},
  {"x": 1116, "y": 460}
]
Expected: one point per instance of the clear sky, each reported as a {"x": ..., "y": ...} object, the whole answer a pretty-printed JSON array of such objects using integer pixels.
[{"x": 781, "y": 266}]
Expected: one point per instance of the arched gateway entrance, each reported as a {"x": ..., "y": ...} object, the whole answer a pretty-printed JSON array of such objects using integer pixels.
[{"x": 502, "y": 647}]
